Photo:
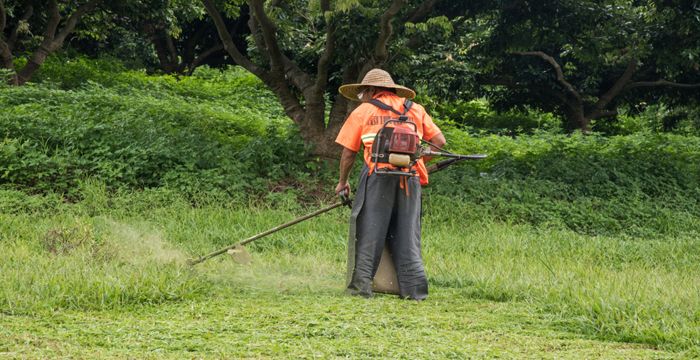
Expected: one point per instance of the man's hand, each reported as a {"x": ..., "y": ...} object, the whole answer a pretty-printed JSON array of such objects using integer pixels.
[{"x": 343, "y": 188}]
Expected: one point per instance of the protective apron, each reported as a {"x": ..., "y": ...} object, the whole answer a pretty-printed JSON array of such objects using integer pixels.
[{"x": 386, "y": 210}]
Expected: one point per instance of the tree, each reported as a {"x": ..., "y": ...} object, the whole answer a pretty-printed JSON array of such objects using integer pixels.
[
  {"x": 585, "y": 58},
  {"x": 21, "y": 19},
  {"x": 179, "y": 31},
  {"x": 304, "y": 49}
]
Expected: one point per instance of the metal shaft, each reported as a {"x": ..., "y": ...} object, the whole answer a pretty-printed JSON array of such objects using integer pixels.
[
  {"x": 263, "y": 234},
  {"x": 431, "y": 169}
]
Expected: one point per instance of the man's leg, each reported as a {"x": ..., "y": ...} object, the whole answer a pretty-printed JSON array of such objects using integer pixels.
[
  {"x": 406, "y": 242},
  {"x": 372, "y": 226}
]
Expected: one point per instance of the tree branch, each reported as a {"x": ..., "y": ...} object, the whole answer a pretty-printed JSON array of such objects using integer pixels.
[
  {"x": 256, "y": 33},
  {"x": 421, "y": 11},
  {"x": 268, "y": 29},
  {"x": 615, "y": 90},
  {"x": 28, "y": 12},
  {"x": 205, "y": 54},
  {"x": 157, "y": 34},
  {"x": 385, "y": 31},
  {"x": 52, "y": 40},
  {"x": 324, "y": 60},
  {"x": 557, "y": 68},
  {"x": 341, "y": 106},
  {"x": 188, "y": 52},
  {"x": 5, "y": 52},
  {"x": 3, "y": 19},
  {"x": 6, "y": 56},
  {"x": 278, "y": 61},
  {"x": 73, "y": 21},
  {"x": 661, "y": 82},
  {"x": 170, "y": 44},
  {"x": 52, "y": 25},
  {"x": 603, "y": 114},
  {"x": 275, "y": 80},
  {"x": 418, "y": 15},
  {"x": 227, "y": 40}
]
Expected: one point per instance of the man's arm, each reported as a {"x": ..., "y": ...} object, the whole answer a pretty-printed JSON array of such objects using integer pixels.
[
  {"x": 347, "y": 159},
  {"x": 438, "y": 141}
]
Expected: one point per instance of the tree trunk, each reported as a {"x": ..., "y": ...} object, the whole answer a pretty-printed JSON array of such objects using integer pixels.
[
  {"x": 53, "y": 37},
  {"x": 576, "y": 118},
  {"x": 7, "y": 63},
  {"x": 33, "y": 64},
  {"x": 322, "y": 139},
  {"x": 158, "y": 37}
]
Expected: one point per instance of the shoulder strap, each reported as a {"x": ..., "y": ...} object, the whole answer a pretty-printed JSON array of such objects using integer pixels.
[{"x": 406, "y": 106}]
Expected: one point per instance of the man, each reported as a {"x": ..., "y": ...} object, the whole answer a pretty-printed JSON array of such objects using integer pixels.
[{"x": 387, "y": 207}]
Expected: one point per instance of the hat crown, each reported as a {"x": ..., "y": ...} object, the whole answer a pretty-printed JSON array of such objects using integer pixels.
[{"x": 378, "y": 77}]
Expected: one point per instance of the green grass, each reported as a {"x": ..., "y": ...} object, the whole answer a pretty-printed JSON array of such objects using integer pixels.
[
  {"x": 106, "y": 278},
  {"x": 263, "y": 321}
]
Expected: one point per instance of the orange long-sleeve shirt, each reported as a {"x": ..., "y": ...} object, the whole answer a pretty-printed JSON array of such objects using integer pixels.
[{"x": 366, "y": 120}]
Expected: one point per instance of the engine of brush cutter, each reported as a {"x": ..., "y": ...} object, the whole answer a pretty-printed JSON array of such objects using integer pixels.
[
  {"x": 398, "y": 145},
  {"x": 397, "y": 142}
]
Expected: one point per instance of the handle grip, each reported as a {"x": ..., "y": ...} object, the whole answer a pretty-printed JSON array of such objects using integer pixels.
[{"x": 345, "y": 197}]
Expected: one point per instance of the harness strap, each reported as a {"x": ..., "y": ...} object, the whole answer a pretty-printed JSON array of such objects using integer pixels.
[{"x": 406, "y": 107}]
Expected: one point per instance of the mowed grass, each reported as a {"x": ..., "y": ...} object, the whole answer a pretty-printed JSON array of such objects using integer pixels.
[
  {"x": 297, "y": 323},
  {"x": 109, "y": 279}
]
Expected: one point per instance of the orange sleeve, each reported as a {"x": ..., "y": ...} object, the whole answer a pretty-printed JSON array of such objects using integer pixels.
[
  {"x": 429, "y": 127},
  {"x": 350, "y": 135}
]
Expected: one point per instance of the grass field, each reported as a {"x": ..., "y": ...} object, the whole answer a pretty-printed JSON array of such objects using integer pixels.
[
  {"x": 106, "y": 278},
  {"x": 284, "y": 322}
]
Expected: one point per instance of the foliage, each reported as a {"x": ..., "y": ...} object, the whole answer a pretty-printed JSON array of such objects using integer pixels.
[
  {"x": 612, "y": 55},
  {"x": 653, "y": 118},
  {"x": 191, "y": 134},
  {"x": 641, "y": 184},
  {"x": 169, "y": 36},
  {"x": 480, "y": 116},
  {"x": 37, "y": 29}
]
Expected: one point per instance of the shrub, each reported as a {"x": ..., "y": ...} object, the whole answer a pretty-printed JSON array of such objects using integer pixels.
[
  {"x": 192, "y": 134},
  {"x": 478, "y": 115},
  {"x": 641, "y": 184}
]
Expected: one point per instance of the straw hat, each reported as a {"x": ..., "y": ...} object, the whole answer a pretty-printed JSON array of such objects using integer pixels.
[{"x": 376, "y": 77}]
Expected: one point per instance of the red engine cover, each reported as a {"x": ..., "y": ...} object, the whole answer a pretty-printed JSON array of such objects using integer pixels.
[{"x": 404, "y": 141}]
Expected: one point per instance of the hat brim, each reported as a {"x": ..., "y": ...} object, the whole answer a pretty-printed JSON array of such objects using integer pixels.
[{"x": 350, "y": 91}]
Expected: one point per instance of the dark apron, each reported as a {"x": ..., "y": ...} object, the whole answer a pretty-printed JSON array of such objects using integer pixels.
[{"x": 386, "y": 211}]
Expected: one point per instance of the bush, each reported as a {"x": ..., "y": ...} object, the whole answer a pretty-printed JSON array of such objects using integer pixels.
[
  {"x": 641, "y": 184},
  {"x": 478, "y": 116},
  {"x": 196, "y": 134}
]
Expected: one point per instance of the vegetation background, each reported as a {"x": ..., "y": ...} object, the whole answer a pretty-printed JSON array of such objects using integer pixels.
[{"x": 118, "y": 163}]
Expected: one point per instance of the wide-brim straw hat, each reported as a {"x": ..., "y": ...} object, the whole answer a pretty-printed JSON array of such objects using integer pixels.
[{"x": 379, "y": 78}]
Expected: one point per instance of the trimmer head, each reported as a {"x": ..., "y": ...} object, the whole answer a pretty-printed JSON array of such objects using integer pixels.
[{"x": 240, "y": 255}]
